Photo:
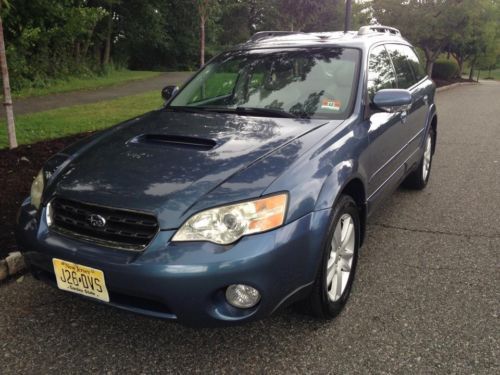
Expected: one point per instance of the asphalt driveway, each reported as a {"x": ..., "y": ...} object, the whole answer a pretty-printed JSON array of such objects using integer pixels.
[{"x": 426, "y": 299}]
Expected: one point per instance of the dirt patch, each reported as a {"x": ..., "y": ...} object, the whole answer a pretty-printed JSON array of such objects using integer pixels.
[{"x": 17, "y": 169}]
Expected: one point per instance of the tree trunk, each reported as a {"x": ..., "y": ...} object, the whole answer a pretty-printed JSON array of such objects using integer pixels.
[
  {"x": 429, "y": 65},
  {"x": 202, "y": 40},
  {"x": 460, "y": 67},
  {"x": 107, "y": 45},
  {"x": 471, "y": 73},
  {"x": 11, "y": 126},
  {"x": 429, "y": 61}
]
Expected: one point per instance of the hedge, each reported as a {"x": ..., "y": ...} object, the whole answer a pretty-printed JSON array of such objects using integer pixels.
[{"x": 445, "y": 69}]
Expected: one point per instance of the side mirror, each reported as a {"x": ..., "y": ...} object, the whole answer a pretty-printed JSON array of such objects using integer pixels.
[
  {"x": 169, "y": 92},
  {"x": 393, "y": 100}
]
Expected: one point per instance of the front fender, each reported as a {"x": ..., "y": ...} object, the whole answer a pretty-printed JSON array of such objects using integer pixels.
[
  {"x": 315, "y": 180},
  {"x": 334, "y": 184}
]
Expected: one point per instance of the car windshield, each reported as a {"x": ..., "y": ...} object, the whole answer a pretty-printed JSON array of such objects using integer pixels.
[{"x": 298, "y": 82}]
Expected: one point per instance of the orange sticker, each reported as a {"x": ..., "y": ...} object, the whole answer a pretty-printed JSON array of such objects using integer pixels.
[{"x": 334, "y": 105}]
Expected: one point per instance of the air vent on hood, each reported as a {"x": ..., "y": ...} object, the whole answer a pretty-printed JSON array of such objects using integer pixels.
[{"x": 176, "y": 141}]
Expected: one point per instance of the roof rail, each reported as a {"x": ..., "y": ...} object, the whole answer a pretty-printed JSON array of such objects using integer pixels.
[
  {"x": 268, "y": 34},
  {"x": 364, "y": 30}
]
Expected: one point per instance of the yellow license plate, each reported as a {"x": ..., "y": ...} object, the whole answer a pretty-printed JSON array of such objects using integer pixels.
[{"x": 80, "y": 279}]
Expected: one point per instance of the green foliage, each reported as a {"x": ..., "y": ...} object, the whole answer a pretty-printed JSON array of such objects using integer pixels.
[
  {"x": 445, "y": 69},
  {"x": 41, "y": 37},
  {"x": 458, "y": 26}
]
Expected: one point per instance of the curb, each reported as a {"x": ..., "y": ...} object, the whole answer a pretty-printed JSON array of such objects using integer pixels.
[
  {"x": 12, "y": 265},
  {"x": 453, "y": 85}
]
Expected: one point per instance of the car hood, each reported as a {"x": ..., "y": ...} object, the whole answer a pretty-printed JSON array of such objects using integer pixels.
[{"x": 164, "y": 161}]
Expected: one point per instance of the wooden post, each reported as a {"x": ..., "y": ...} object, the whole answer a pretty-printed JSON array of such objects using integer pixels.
[{"x": 9, "y": 112}]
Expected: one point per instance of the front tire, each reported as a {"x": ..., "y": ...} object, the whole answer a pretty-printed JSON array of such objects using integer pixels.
[
  {"x": 340, "y": 255},
  {"x": 418, "y": 179}
]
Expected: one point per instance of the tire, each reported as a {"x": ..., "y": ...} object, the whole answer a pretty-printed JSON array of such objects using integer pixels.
[
  {"x": 326, "y": 301},
  {"x": 418, "y": 179}
]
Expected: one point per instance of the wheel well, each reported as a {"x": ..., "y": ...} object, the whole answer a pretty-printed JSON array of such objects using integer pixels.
[
  {"x": 434, "y": 124},
  {"x": 356, "y": 190}
]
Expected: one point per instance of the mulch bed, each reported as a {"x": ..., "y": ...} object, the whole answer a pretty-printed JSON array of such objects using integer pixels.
[{"x": 18, "y": 168}]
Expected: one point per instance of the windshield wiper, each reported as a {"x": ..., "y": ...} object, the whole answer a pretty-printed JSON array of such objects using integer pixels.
[
  {"x": 252, "y": 111},
  {"x": 272, "y": 112},
  {"x": 249, "y": 111},
  {"x": 185, "y": 108}
]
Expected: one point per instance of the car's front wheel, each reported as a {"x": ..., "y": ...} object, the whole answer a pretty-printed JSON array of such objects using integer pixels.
[{"x": 340, "y": 254}]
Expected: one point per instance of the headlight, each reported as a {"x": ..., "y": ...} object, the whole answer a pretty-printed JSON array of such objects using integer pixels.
[
  {"x": 37, "y": 190},
  {"x": 227, "y": 224}
]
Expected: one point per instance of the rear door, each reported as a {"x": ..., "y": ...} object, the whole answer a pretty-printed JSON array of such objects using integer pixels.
[{"x": 410, "y": 75}]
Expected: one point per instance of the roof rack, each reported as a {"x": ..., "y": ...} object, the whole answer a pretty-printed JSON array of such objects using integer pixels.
[
  {"x": 268, "y": 34},
  {"x": 364, "y": 30}
]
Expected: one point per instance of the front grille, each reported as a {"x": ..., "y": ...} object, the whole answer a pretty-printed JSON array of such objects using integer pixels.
[{"x": 122, "y": 229}]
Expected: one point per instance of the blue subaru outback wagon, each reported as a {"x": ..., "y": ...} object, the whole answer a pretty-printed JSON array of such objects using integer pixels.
[{"x": 248, "y": 191}]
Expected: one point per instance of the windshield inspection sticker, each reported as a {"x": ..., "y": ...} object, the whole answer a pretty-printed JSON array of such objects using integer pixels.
[{"x": 334, "y": 105}]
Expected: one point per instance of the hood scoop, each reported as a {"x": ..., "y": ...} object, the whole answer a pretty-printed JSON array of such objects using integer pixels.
[{"x": 178, "y": 141}]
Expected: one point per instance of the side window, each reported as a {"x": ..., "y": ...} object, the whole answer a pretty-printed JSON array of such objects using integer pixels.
[
  {"x": 415, "y": 63},
  {"x": 380, "y": 72},
  {"x": 404, "y": 71}
]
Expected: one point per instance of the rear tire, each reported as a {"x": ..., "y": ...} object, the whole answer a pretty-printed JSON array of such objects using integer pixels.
[
  {"x": 418, "y": 179},
  {"x": 340, "y": 255}
]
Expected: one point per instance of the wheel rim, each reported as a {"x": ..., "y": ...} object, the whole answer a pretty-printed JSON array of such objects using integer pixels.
[
  {"x": 427, "y": 158},
  {"x": 339, "y": 264}
]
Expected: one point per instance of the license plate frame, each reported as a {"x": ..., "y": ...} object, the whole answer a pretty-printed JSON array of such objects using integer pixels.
[{"x": 80, "y": 279}]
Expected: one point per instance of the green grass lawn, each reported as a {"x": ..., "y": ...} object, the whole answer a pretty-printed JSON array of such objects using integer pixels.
[
  {"x": 66, "y": 121},
  {"x": 484, "y": 74},
  {"x": 87, "y": 83}
]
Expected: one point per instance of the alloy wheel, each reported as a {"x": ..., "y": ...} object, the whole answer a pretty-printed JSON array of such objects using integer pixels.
[
  {"x": 427, "y": 158},
  {"x": 340, "y": 260}
]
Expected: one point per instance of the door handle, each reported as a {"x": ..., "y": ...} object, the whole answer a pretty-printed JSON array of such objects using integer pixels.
[{"x": 426, "y": 99}]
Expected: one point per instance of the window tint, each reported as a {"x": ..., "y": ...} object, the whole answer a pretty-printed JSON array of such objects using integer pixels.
[
  {"x": 404, "y": 71},
  {"x": 380, "y": 72}
]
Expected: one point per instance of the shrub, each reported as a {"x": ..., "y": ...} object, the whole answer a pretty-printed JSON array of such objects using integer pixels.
[{"x": 445, "y": 69}]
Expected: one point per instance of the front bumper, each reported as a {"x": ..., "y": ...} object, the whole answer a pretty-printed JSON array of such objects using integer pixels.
[{"x": 187, "y": 281}]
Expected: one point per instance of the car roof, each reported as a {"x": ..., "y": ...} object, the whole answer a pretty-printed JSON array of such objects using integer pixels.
[{"x": 361, "y": 39}]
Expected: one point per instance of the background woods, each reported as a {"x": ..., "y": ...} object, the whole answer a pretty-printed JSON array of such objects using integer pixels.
[{"x": 54, "y": 39}]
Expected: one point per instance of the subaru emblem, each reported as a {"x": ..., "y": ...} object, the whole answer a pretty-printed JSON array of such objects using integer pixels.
[{"x": 97, "y": 221}]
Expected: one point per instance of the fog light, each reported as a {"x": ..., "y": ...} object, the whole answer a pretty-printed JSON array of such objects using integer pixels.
[{"x": 242, "y": 296}]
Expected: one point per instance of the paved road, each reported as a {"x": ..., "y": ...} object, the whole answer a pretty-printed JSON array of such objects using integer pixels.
[
  {"x": 43, "y": 103},
  {"x": 426, "y": 298}
]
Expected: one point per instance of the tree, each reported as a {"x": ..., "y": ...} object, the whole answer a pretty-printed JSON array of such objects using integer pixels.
[
  {"x": 478, "y": 37},
  {"x": 430, "y": 24},
  {"x": 11, "y": 126},
  {"x": 206, "y": 8}
]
